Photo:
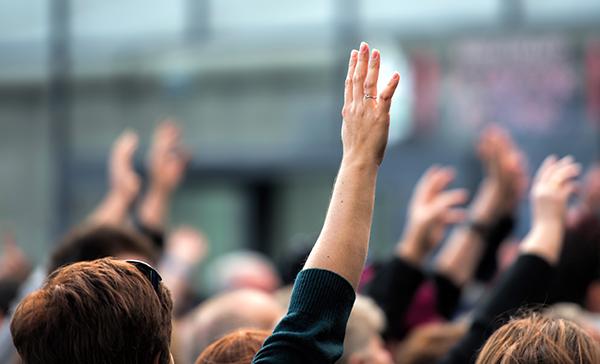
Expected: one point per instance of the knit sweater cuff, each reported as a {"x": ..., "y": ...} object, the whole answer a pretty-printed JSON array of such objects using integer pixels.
[{"x": 322, "y": 292}]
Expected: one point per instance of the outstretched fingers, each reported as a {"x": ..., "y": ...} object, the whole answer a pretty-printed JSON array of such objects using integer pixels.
[{"x": 385, "y": 98}]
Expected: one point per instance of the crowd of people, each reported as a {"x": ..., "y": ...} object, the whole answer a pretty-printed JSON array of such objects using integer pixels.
[{"x": 457, "y": 287}]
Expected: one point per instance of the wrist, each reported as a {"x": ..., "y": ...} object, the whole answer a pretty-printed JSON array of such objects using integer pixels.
[
  {"x": 410, "y": 253},
  {"x": 361, "y": 162},
  {"x": 158, "y": 190},
  {"x": 119, "y": 199},
  {"x": 485, "y": 206},
  {"x": 412, "y": 246},
  {"x": 545, "y": 240}
]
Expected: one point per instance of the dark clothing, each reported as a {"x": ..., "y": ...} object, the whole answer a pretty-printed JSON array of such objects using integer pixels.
[
  {"x": 393, "y": 288},
  {"x": 497, "y": 233},
  {"x": 579, "y": 262},
  {"x": 157, "y": 237},
  {"x": 314, "y": 328},
  {"x": 525, "y": 284},
  {"x": 448, "y": 295},
  {"x": 396, "y": 282}
]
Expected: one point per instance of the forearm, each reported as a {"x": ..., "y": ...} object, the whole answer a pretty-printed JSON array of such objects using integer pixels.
[
  {"x": 113, "y": 210},
  {"x": 551, "y": 234},
  {"x": 343, "y": 243},
  {"x": 460, "y": 257},
  {"x": 411, "y": 247},
  {"x": 154, "y": 208}
]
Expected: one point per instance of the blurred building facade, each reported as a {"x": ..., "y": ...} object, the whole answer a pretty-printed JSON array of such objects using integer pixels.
[{"x": 257, "y": 87}]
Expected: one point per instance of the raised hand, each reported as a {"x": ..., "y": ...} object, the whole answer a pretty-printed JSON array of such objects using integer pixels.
[
  {"x": 505, "y": 179},
  {"x": 167, "y": 159},
  {"x": 343, "y": 243},
  {"x": 366, "y": 115},
  {"x": 554, "y": 183},
  {"x": 431, "y": 210},
  {"x": 167, "y": 163},
  {"x": 124, "y": 181}
]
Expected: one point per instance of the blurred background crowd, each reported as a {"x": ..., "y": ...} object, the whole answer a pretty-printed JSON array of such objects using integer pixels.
[{"x": 212, "y": 127}]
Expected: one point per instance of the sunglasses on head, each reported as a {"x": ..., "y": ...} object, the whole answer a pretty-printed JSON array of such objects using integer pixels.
[{"x": 150, "y": 273}]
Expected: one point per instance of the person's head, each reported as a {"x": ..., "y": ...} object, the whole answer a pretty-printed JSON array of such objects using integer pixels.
[
  {"x": 429, "y": 343},
  {"x": 242, "y": 269},
  {"x": 104, "y": 311},
  {"x": 363, "y": 343},
  {"x": 89, "y": 243},
  {"x": 226, "y": 313},
  {"x": 539, "y": 339},
  {"x": 238, "y": 347}
]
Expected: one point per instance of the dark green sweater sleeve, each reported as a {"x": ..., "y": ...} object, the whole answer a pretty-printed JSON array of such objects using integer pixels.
[{"x": 313, "y": 329}]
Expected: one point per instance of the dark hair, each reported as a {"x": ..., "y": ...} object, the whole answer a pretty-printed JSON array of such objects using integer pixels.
[
  {"x": 540, "y": 339},
  {"x": 9, "y": 289},
  {"x": 94, "y": 242},
  {"x": 104, "y": 311},
  {"x": 239, "y": 347}
]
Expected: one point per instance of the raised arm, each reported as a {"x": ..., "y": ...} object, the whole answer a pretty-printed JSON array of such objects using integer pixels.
[
  {"x": 431, "y": 210},
  {"x": 313, "y": 330},
  {"x": 124, "y": 183},
  {"x": 495, "y": 202},
  {"x": 167, "y": 163},
  {"x": 527, "y": 281}
]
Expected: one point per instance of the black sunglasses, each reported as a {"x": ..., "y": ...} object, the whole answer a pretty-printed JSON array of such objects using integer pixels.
[{"x": 150, "y": 273}]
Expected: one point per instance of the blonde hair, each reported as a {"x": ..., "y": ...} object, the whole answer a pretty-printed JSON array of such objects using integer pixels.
[
  {"x": 540, "y": 339},
  {"x": 366, "y": 321}
]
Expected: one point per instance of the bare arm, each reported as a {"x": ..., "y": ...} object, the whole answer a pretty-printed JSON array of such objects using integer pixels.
[
  {"x": 343, "y": 243},
  {"x": 498, "y": 195},
  {"x": 167, "y": 162},
  {"x": 123, "y": 180},
  {"x": 432, "y": 210},
  {"x": 528, "y": 279}
]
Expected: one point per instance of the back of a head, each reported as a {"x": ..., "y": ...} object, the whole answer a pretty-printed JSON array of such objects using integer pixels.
[
  {"x": 104, "y": 311},
  {"x": 226, "y": 313},
  {"x": 239, "y": 347},
  {"x": 89, "y": 243},
  {"x": 241, "y": 269},
  {"x": 539, "y": 339},
  {"x": 363, "y": 341}
]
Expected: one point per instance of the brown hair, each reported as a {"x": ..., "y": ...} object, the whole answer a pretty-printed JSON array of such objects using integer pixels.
[
  {"x": 104, "y": 311},
  {"x": 539, "y": 339},
  {"x": 87, "y": 243},
  {"x": 239, "y": 347}
]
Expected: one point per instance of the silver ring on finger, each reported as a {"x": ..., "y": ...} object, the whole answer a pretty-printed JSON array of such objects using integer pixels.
[{"x": 367, "y": 96}]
